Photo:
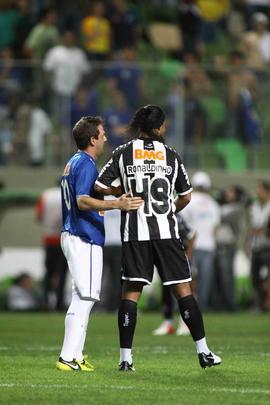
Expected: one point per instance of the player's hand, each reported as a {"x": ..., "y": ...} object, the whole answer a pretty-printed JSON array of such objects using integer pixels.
[{"x": 128, "y": 203}]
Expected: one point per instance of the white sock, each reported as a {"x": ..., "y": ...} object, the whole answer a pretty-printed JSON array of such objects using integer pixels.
[
  {"x": 202, "y": 346},
  {"x": 125, "y": 355},
  {"x": 75, "y": 327},
  {"x": 79, "y": 350}
]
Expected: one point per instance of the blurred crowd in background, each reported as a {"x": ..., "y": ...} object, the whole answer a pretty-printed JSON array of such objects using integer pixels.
[{"x": 206, "y": 63}]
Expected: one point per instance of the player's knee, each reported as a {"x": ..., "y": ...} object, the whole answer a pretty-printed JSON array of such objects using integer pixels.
[{"x": 182, "y": 290}]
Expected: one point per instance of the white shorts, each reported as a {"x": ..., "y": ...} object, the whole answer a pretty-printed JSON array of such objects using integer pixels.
[{"x": 85, "y": 262}]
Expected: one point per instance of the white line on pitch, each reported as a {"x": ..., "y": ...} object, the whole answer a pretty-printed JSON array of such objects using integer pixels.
[
  {"x": 131, "y": 387},
  {"x": 241, "y": 390}
]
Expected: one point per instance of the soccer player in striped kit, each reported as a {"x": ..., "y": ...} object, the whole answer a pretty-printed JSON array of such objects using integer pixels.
[{"x": 148, "y": 168}]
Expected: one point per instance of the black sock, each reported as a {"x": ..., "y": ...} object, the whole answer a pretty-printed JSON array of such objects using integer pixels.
[
  {"x": 192, "y": 316},
  {"x": 127, "y": 317},
  {"x": 167, "y": 302}
]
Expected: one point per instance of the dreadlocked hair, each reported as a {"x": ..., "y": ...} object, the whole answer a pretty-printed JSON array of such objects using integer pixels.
[{"x": 145, "y": 120}]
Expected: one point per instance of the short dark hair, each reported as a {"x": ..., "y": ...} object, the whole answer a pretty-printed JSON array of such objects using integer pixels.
[
  {"x": 146, "y": 119},
  {"x": 85, "y": 129},
  {"x": 21, "y": 277},
  {"x": 46, "y": 11}
]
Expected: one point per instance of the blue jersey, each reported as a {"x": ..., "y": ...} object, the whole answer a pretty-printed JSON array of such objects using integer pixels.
[{"x": 78, "y": 180}]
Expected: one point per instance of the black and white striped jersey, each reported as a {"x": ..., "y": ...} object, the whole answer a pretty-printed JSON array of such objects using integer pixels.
[{"x": 152, "y": 170}]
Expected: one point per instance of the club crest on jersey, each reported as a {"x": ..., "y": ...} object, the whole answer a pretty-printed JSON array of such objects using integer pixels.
[{"x": 148, "y": 154}]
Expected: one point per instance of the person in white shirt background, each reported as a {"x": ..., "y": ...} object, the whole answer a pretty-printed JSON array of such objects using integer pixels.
[
  {"x": 49, "y": 214},
  {"x": 259, "y": 238},
  {"x": 256, "y": 43},
  {"x": 21, "y": 295},
  {"x": 66, "y": 65},
  {"x": 203, "y": 215},
  {"x": 40, "y": 128}
]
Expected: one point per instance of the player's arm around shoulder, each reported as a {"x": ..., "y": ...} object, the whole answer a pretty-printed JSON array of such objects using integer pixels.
[
  {"x": 124, "y": 203},
  {"x": 116, "y": 191}
]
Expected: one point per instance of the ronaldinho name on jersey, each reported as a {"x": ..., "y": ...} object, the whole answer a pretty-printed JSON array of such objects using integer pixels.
[{"x": 149, "y": 168}]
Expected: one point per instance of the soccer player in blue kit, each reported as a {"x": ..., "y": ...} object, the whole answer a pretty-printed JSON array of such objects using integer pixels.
[{"x": 82, "y": 237}]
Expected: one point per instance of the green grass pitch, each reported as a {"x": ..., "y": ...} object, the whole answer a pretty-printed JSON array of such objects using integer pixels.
[{"x": 167, "y": 369}]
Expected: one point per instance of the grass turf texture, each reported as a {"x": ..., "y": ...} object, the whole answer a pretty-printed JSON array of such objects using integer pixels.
[{"x": 167, "y": 369}]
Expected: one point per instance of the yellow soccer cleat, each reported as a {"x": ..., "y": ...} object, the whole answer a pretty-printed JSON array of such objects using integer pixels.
[
  {"x": 64, "y": 365},
  {"x": 85, "y": 365}
]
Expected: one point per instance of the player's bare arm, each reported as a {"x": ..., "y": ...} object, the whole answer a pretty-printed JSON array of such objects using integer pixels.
[
  {"x": 116, "y": 191},
  {"x": 182, "y": 201},
  {"x": 124, "y": 203}
]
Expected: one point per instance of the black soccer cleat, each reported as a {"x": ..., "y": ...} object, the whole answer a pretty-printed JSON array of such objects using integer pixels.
[
  {"x": 209, "y": 360},
  {"x": 125, "y": 366}
]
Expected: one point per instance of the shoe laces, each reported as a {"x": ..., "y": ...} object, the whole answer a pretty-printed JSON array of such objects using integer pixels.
[{"x": 86, "y": 362}]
